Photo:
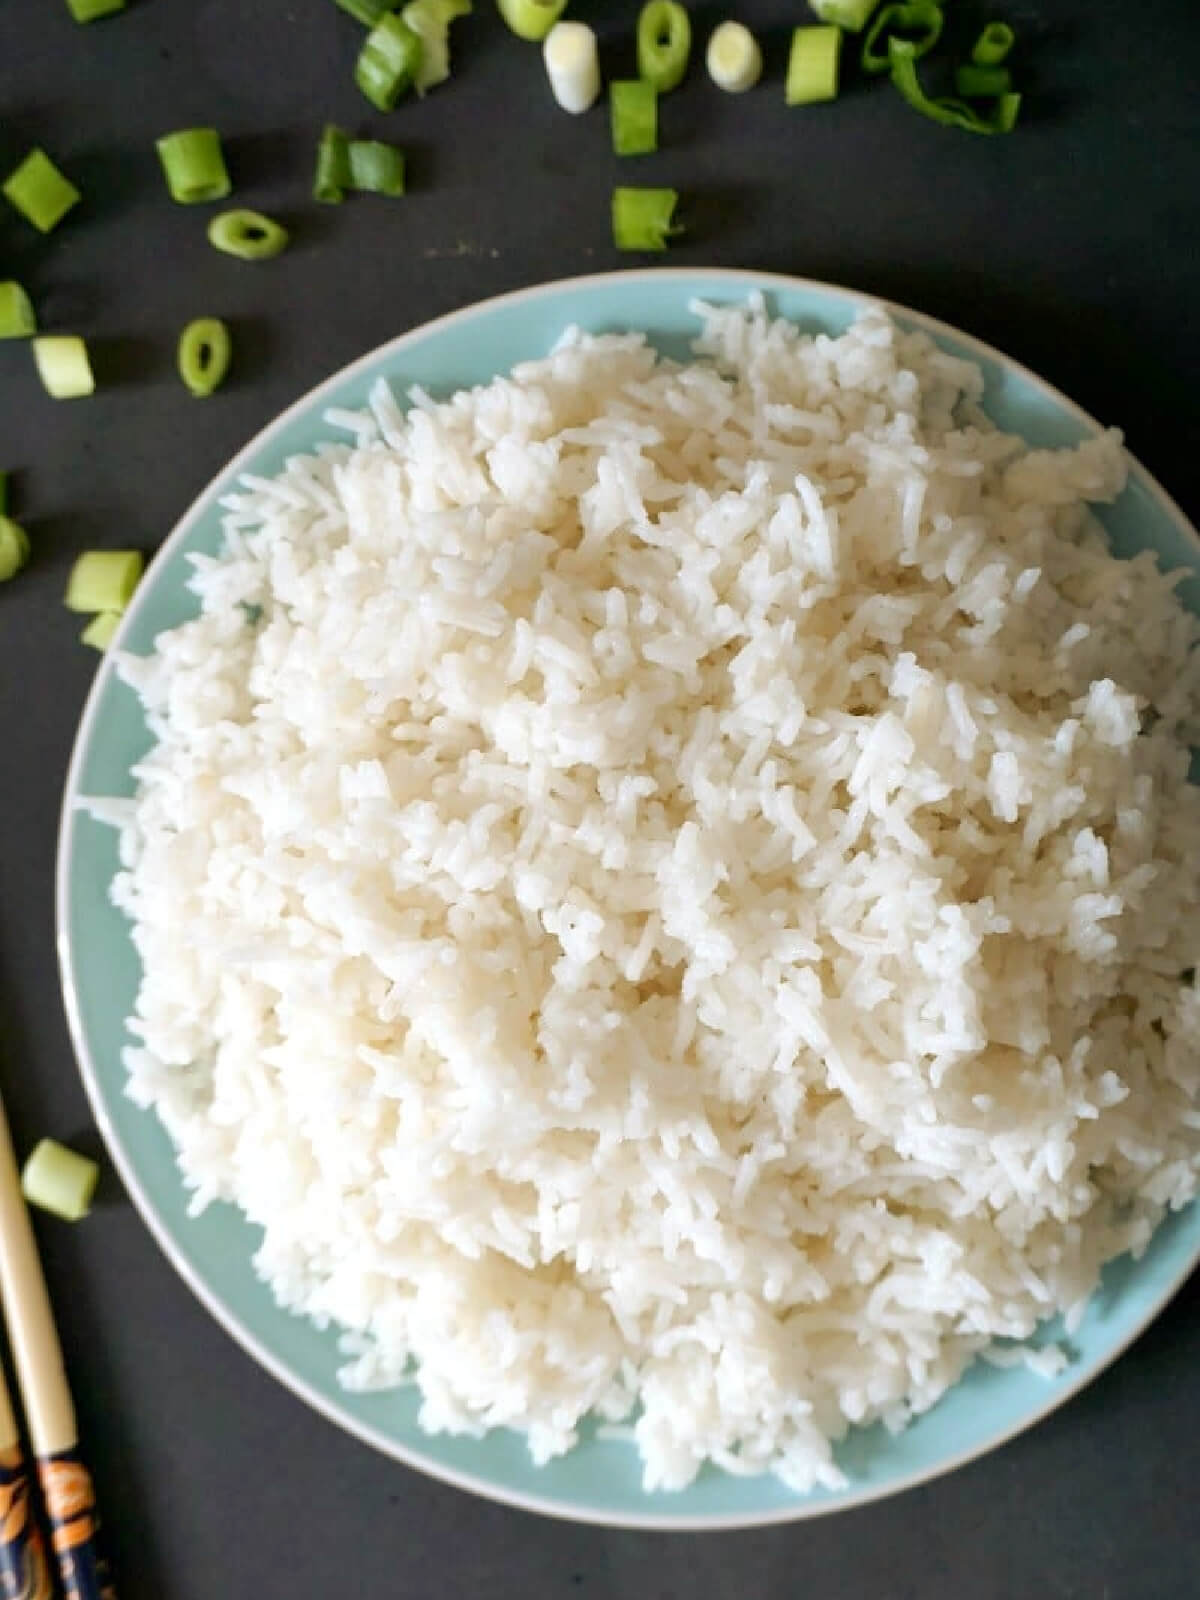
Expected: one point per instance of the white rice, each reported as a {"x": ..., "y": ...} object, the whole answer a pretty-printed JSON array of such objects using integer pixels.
[{"x": 680, "y": 903}]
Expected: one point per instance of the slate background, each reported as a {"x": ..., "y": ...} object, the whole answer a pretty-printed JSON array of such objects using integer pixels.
[{"x": 1074, "y": 245}]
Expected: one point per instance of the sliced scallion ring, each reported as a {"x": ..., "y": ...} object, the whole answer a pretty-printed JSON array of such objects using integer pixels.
[
  {"x": 531, "y": 19},
  {"x": 103, "y": 580},
  {"x": 733, "y": 58},
  {"x": 93, "y": 10},
  {"x": 633, "y": 112},
  {"x": 59, "y": 1180},
  {"x": 332, "y": 177},
  {"x": 63, "y": 366},
  {"x": 203, "y": 355},
  {"x": 572, "y": 62},
  {"x": 101, "y": 630},
  {"x": 368, "y": 12},
  {"x": 248, "y": 235},
  {"x": 375, "y": 167},
  {"x": 993, "y": 45},
  {"x": 17, "y": 320},
  {"x": 812, "y": 72},
  {"x": 664, "y": 43},
  {"x": 14, "y": 548},
  {"x": 388, "y": 62},
  {"x": 642, "y": 219},
  {"x": 38, "y": 190},
  {"x": 974, "y": 82},
  {"x": 852, "y": 15},
  {"x": 193, "y": 165},
  {"x": 430, "y": 20}
]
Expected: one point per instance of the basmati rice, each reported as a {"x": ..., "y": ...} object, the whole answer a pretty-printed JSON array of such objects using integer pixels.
[{"x": 670, "y": 891}]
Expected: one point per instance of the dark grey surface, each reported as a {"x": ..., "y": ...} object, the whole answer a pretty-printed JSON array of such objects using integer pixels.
[{"x": 1074, "y": 245}]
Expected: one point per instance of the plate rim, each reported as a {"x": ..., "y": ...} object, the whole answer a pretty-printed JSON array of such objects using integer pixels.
[{"x": 802, "y": 1508}]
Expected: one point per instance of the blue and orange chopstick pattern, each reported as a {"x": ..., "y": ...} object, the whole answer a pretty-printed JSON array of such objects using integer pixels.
[
  {"x": 24, "y": 1574},
  {"x": 70, "y": 1504}
]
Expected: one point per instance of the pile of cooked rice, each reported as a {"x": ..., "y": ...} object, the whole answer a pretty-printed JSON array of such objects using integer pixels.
[{"x": 671, "y": 891}]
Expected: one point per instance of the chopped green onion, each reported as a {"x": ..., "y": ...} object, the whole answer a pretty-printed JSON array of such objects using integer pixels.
[
  {"x": 642, "y": 218},
  {"x": 981, "y": 83},
  {"x": 248, "y": 235},
  {"x": 103, "y": 580},
  {"x": 633, "y": 111},
  {"x": 812, "y": 72},
  {"x": 91, "y": 10},
  {"x": 193, "y": 165},
  {"x": 38, "y": 190},
  {"x": 664, "y": 43},
  {"x": 376, "y": 168},
  {"x": 203, "y": 355},
  {"x": 733, "y": 58},
  {"x": 950, "y": 113},
  {"x": 572, "y": 65},
  {"x": 17, "y": 320},
  {"x": 63, "y": 366},
  {"x": 368, "y": 12},
  {"x": 101, "y": 629},
  {"x": 59, "y": 1180},
  {"x": 531, "y": 19},
  {"x": 993, "y": 45},
  {"x": 14, "y": 548},
  {"x": 430, "y": 20},
  {"x": 332, "y": 177},
  {"x": 388, "y": 62},
  {"x": 922, "y": 17},
  {"x": 849, "y": 14}
]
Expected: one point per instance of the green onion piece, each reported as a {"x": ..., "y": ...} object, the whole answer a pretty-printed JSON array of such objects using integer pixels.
[
  {"x": 193, "y": 165},
  {"x": 203, "y": 355},
  {"x": 531, "y": 19},
  {"x": 14, "y": 548},
  {"x": 17, "y": 320},
  {"x": 812, "y": 72},
  {"x": 430, "y": 20},
  {"x": 376, "y": 168},
  {"x": 63, "y": 366},
  {"x": 101, "y": 629},
  {"x": 950, "y": 113},
  {"x": 368, "y": 12},
  {"x": 993, "y": 45},
  {"x": 633, "y": 112},
  {"x": 920, "y": 17},
  {"x": 248, "y": 235},
  {"x": 59, "y": 1180},
  {"x": 733, "y": 58},
  {"x": 849, "y": 14},
  {"x": 664, "y": 43},
  {"x": 91, "y": 10},
  {"x": 981, "y": 83},
  {"x": 103, "y": 580},
  {"x": 332, "y": 177},
  {"x": 572, "y": 61},
  {"x": 38, "y": 190},
  {"x": 642, "y": 218},
  {"x": 388, "y": 62}
]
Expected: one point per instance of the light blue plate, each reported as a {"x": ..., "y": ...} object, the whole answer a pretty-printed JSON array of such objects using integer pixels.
[{"x": 599, "y": 1481}]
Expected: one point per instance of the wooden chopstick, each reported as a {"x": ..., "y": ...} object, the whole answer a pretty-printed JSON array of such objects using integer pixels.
[
  {"x": 37, "y": 1355},
  {"x": 23, "y": 1569}
]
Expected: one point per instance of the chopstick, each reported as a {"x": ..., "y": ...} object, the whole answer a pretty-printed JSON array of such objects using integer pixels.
[
  {"x": 23, "y": 1569},
  {"x": 37, "y": 1355}
]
